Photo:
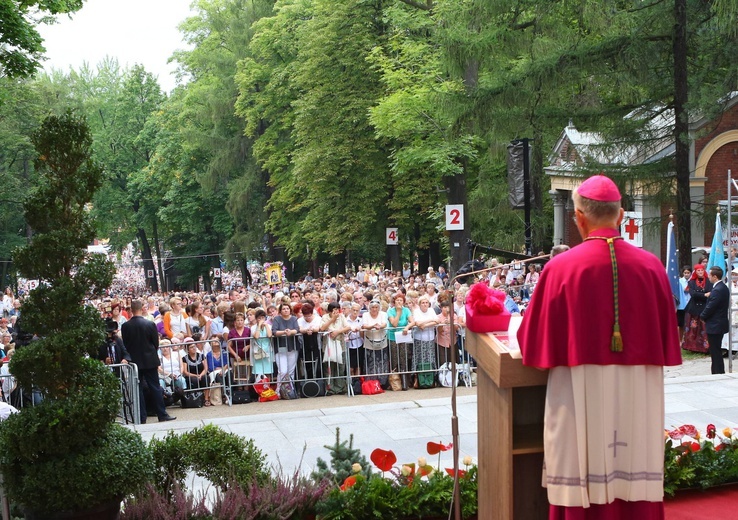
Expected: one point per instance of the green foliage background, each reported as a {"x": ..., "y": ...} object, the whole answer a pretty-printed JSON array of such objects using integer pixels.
[{"x": 302, "y": 128}]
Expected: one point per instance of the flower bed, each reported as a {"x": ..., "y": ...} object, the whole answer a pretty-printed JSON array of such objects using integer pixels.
[
  {"x": 696, "y": 460},
  {"x": 409, "y": 491},
  {"x": 345, "y": 489}
]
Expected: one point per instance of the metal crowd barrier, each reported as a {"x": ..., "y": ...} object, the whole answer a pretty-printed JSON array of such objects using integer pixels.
[
  {"x": 130, "y": 397},
  {"x": 127, "y": 374},
  {"x": 309, "y": 360},
  {"x": 16, "y": 396},
  {"x": 174, "y": 366}
]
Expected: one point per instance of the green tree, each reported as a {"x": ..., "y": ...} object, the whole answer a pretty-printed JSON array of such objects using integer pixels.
[
  {"x": 220, "y": 36},
  {"x": 267, "y": 90},
  {"x": 18, "y": 121},
  {"x": 325, "y": 164},
  {"x": 71, "y": 430},
  {"x": 120, "y": 107},
  {"x": 616, "y": 68},
  {"x": 21, "y": 46}
]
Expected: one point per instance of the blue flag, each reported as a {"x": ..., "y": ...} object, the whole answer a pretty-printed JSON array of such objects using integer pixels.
[
  {"x": 717, "y": 254},
  {"x": 672, "y": 266}
]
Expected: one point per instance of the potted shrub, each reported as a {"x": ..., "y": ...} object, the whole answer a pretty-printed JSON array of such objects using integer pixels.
[
  {"x": 235, "y": 468},
  {"x": 66, "y": 455}
]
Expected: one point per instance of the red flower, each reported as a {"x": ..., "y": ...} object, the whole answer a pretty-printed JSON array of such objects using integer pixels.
[
  {"x": 689, "y": 430},
  {"x": 437, "y": 447},
  {"x": 720, "y": 447},
  {"x": 676, "y": 434},
  {"x": 426, "y": 470},
  {"x": 692, "y": 446},
  {"x": 350, "y": 481},
  {"x": 450, "y": 471},
  {"x": 383, "y": 459},
  {"x": 711, "y": 431}
]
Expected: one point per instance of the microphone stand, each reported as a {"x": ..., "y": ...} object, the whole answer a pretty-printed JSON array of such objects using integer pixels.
[{"x": 454, "y": 416}]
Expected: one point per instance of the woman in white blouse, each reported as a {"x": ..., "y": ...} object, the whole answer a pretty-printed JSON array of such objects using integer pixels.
[
  {"x": 374, "y": 324},
  {"x": 423, "y": 324}
]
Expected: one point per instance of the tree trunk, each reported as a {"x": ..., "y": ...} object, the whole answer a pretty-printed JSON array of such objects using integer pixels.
[
  {"x": 681, "y": 135},
  {"x": 157, "y": 247},
  {"x": 392, "y": 258},
  {"x": 458, "y": 241},
  {"x": 435, "y": 257},
  {"x": 217, "y": 282},
  {"x": 245, "y": 273},
  {"x": 148, "y": 262}
]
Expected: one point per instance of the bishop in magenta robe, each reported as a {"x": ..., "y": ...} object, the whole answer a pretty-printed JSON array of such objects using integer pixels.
[{"x": 602, "y": 320}]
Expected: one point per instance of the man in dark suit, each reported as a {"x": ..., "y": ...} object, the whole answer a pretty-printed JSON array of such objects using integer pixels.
[
  {"x": 715, "y": 316},
  {"x": 141, "y": 339}
]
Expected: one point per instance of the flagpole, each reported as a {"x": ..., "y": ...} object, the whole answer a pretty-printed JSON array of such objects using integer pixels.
[{"x": 731, "y": 184}]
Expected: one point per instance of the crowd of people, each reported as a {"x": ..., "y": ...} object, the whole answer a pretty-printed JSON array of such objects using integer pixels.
[{"x": 374, "y": 324}]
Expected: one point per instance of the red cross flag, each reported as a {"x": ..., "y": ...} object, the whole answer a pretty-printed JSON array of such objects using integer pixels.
[{"x": 631, "y": 228}]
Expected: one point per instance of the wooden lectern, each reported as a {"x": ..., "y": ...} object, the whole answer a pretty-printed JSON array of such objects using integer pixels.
[{"x": 510, "y": 405}]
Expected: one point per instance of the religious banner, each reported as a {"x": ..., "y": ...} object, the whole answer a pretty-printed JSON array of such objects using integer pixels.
[
  {"x": 273, "y": 273},
  {"x": 632, "y": 228}
]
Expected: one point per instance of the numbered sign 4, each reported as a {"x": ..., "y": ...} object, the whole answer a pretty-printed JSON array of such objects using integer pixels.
[{"x": 391, "y": 236}]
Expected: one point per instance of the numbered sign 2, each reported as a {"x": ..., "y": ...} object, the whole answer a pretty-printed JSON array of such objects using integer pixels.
[
  {"x": 391, "y": 236},
  {"x": 454, "y": 217}
]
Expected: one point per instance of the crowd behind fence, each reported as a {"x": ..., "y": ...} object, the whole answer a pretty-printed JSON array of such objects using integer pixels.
[{"x": 312, "y": 365}]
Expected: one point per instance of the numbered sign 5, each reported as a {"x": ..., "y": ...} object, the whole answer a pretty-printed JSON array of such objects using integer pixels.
[
  {"x": 454, "y": 217},
  {"x": 391, "y": 236}
]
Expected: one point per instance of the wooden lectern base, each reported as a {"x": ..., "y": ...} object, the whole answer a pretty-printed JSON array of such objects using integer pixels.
[{"x": 510, "y": 406}]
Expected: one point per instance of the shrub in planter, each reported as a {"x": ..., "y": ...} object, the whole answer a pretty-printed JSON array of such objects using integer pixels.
[
  {"x": 222, "y": 458},
  {"x": 245, "y": 487},
  {"x": 65, "y": 454}
]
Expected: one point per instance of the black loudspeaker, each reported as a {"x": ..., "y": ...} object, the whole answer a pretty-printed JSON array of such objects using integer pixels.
[{"x": 313, "y": 388}]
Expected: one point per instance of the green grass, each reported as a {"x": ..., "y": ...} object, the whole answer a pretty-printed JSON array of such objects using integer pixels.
[{"x": 688, "y": 355}]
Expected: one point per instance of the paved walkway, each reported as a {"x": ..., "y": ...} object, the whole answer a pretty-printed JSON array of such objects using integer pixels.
[{"x": 293, "y": 433}]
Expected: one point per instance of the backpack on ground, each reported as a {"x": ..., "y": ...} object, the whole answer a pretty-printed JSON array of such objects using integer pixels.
[
  {"x": 356, "y": 385},
  {"x": 426, "y": 375},
  {"x": 445, "y": 376},
  {"x": 287, "y": 389},
  {"x": 194, "y": 399},
  {"x": 241, "y": 395}
]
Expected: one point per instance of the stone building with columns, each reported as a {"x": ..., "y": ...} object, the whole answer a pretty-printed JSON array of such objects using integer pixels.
[{"x": 713, "y": 152}]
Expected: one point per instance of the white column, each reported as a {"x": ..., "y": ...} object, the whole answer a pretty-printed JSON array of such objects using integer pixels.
[{"x": 559, "y": 205}]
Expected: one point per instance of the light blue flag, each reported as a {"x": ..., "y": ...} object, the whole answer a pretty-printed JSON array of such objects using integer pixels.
[
  {"x": 672, "y": 267},
  {"x": 717, "y": 254}
]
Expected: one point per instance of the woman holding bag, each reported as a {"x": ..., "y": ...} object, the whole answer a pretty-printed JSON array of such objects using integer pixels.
[
  {"x": 335, "y": 326},
  {"x": 374, "y": 325}
]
